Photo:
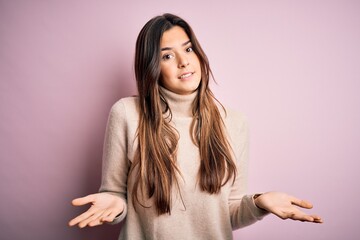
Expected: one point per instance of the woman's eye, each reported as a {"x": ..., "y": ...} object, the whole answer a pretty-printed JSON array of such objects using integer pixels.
[
  {"x": 189, "y": 49},
  {"x": 167, "y": 56}
]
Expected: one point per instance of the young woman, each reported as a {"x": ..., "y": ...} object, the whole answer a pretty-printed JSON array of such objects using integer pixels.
[{"x": 174, "y": 160}]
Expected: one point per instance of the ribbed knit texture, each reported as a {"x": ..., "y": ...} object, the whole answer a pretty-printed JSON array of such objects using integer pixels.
[{"x": 194, "y": 214}]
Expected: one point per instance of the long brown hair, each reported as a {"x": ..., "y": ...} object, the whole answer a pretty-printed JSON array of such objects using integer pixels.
[{"x": 155, "y": 161}]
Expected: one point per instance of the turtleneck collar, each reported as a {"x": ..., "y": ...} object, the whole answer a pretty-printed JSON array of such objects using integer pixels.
[{"x": 180, "y": 105}]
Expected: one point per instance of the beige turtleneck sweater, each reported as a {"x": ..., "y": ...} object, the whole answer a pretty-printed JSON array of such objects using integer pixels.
[{"x": 196, "y": 214}]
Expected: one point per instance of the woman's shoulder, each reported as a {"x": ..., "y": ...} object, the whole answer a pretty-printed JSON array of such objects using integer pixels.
[
  {"x": 236, "y": 114},
  {"x": 126, "y": 102},
  {"x": 231, "y": 114},
  {"x": 127, "y": 106},
  {"x": 234, "y": 119}
]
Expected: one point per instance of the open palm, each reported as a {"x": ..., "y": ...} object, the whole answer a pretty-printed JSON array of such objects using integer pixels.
[
  {"x": 104, "y": 208},
  {"x": 285, "y": 206}
]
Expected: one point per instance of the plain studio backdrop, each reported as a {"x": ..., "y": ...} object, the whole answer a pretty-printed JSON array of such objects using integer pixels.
[{"x": 292, "y": 67}]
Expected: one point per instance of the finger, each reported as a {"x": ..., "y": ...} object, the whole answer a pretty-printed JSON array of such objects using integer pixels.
[
  {"x": 302, "y": 217},
  {"x": 292, "y": 213},
  {"x": 82, "y": 217},
  {"x": 301, "y": 203},
  {"x": 111, "y": 216},
  {"x": 84, "y": 200},
  {"x": 105, "y": 215},
  {"x": 317, "y": 219},
  {"x": 94, "y": 217},
  {"x": 96, "y": 222}
]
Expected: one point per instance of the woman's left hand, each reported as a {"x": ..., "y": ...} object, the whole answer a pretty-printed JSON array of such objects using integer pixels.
[{"x": 286, "y": 207}]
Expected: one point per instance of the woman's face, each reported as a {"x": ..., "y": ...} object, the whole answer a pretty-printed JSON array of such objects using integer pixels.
[{"x": 180, "y": 66}]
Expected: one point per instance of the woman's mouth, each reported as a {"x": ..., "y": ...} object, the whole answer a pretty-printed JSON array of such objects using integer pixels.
[{"x": 186, "y": 75}]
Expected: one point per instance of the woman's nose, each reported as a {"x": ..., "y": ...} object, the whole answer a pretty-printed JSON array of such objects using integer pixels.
[{"x": 183, "y": 61}]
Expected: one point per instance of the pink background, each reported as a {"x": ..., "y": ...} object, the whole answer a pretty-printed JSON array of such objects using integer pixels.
[{"x": 291, "y": 66}]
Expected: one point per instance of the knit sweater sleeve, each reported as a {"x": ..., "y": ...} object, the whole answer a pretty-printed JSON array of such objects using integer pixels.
[
  {"x": 115, "y": 165},
  {"x": 243, "y": 211}
]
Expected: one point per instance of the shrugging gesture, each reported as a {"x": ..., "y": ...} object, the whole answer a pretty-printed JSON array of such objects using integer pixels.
[{"x": 176, "y": 127}]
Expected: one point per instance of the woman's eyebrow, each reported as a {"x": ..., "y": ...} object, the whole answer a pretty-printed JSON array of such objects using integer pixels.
[{"x": 169, "y": 48}]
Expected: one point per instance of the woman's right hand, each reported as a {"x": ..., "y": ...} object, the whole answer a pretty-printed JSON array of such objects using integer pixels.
[{"x": 105, "y": 207}]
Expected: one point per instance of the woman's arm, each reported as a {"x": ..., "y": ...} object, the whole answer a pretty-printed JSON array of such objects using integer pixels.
[
  {"x": 247, "y": 209},
  {"x": 110, "y": 205},
  {"x": 242, "y": 208}
]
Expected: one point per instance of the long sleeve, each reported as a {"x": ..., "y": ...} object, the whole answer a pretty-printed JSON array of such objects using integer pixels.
[
  {"x": 115, "y": 165},
  {"x": 202, "y": 215},
  {"x": 243, "y": 211}
]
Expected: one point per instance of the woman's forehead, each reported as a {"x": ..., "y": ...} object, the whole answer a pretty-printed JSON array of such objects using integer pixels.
[{"x": 174, "y": 37}]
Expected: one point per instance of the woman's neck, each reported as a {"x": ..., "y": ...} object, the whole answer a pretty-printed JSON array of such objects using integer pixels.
[{"x": 180, "y": 105}]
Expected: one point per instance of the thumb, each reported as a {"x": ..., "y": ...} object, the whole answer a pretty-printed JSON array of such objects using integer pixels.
[
  {"x": 302, "y": 203},
  {"x": 84, "y": 200}
]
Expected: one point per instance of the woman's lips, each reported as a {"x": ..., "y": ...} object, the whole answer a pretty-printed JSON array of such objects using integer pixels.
[{"x": 186, "y": 75}]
